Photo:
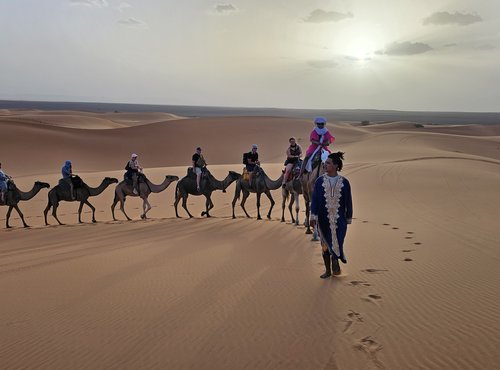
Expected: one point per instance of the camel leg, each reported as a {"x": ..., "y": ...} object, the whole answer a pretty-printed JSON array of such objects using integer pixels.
[
  {"x": 306, "y": 221},
  {"x": 45, "y": 211},
  {"x": 115, "y": 201},
  {"x": 237, "y": 193},
  {"x": 20, "y": 215},
  {"x": 7, "y": 217},
  {"x": 122, "y": 208},
  {"x": 297, "y": 208},
  {"x": 258, "y": 205},
  {"x": 54, "y": 212},
  {"x": 176, "y": 202},
  {"x": 80, "y": 212},
  {"x": 284, "y": 194},
  {"x": 245, "y": 197},
  {"x": 92, "y": 208},
  {"x": 208, "y": 206},
  {"x": 290, "y": 205},
  {"x": 184, "y": 204},
  {"x": 268, "y": 193},
  {"x": 145, "y": 207}
]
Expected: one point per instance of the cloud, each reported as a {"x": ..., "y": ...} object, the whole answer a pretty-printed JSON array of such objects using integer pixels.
[
  {"x": 350, "y": 58},
  {"x": 124, "y": 6},
  {"x": 321, "y": 16},
  {"x": 442, "y": 18},
  {"x": 225, "y": 8},
  {"x": 451, "y": 45},
  {"x": 322, "y": 64},
  {"x": 484, "y": 47},
  {"x": 132, "y": 22},
  {"x": 404, "y": 48},
  {"x": 96, "y": 3}
]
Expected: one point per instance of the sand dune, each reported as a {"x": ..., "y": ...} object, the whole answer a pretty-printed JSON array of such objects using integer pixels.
[{"x": 419, "y": 290}]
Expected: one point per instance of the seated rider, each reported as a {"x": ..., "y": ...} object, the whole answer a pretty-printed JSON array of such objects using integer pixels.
[
  {"x": 252, "y": 162},
  {"x": 4, "y": 178},
  {"x": 133, "y": 170},
  {"x": 199, "y": 164},
  {"x": 293, "y": 154},
  {"x": 320, "y": 138},
  {"x": 67, "y": 175}
]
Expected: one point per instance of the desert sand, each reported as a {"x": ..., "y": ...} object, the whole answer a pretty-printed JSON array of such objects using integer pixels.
[{"x": 419, "y": 291}]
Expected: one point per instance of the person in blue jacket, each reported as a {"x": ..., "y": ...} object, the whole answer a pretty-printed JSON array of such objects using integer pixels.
[
  {"x": 67, "y": 175},
  {"x": 331, "y": 211}
]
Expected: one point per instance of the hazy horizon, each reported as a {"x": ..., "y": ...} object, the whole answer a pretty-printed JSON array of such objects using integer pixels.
[{"x": 428, "y": 56}]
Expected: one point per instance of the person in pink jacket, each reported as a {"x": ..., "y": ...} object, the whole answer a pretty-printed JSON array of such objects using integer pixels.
[{"x": 320, "y": 138}]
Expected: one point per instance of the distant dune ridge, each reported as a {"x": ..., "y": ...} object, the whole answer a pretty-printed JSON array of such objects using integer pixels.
[{"x": 419, "y": 291}]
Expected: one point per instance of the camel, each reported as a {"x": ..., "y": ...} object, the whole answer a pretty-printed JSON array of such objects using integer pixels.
[
  {"x": 62, "y": 193},
  {"x": 187, "y": 185},
  {"x": 261, "y": 184},
  {"x": 293, "y": 188},
  {"x": 308, "y": 179},
  {"x": 12, "y": 198},
  {"x": 123, "y": 190}
]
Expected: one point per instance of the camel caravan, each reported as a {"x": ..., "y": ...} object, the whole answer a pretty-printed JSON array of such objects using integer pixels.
[{"x": 298, "y": 178}]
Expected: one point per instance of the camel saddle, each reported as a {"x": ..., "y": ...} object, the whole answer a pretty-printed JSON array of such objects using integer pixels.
[
  {"x": 76, "y": 180},
  {"x": 141, "y": 178},
  {"x": 294, "y": 173},
  {"x": 11, "y": 194},
  {"x": 204, "y": 173}
]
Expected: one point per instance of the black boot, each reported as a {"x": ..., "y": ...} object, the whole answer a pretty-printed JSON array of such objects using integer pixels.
[
  {"x": 328, "y": 271},
  {"x": 335, "y": 266}
]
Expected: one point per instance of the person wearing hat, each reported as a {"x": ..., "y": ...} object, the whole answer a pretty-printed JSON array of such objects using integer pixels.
[
  {"x": 67, "y": 175},
  {"x": 133, "y": 169},
  {"x": 320, "y": 138},
  {"x": 4, "y": 178},
  {"x": 252, "y": 161},
  {"x": 331, "y": 210},
  {"x": 199, "y": 164},
  {"x": 293, "y": 154}
]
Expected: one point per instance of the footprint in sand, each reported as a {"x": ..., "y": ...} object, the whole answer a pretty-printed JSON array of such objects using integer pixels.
[
  {"x": 373, "y": 271},
  {"x": 372, "y": 298},
  {"x": 352, "y": 317},
  {"x": 410, "y": 232},
  {"x": 408, "y": 237},
  {"x": 359, "y": 283},
  {"x": 408, "y": 259},
  {"x": 417, "y": 243},
  {"x": 395, "y": 228},
  {"x": 365, "y": 222},
  {"x": 370, "y": 346},
  {"x": 386, "y": 224},
  {"x": 407, "y": 250}
]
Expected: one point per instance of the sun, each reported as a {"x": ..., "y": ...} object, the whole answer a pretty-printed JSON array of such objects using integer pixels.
[{"x": 361, "y": 49}]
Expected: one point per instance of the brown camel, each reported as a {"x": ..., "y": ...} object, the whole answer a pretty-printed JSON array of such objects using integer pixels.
[
  {"x": 308, "y": 180},
  {"x": 12, "y": 198},
  {"x": 261, "y": 184},
  {"x": 208, "y": 184},
  {"x": 292, "y": 188},
  {"x": 62, "y": 193},
  {"x": 123, "y": 190}
]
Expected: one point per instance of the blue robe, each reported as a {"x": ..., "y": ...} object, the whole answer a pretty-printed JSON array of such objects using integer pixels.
[{"x": 332, "y": 209}]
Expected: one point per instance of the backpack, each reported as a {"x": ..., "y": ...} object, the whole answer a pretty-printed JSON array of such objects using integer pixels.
[
  {"x": 245, "y": 158},
  {"x": 127, "y": 167}
]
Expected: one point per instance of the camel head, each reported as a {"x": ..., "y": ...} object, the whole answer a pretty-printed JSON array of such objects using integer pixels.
[
  {"x": 234, "y": 175},
  {"x": 172, "y": 178},
  {"x": 110, "y": 180},
  {"x": 42, "y": 185}
]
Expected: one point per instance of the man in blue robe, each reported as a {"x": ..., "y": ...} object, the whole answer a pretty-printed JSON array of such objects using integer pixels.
[{"x": 331, "y": 210}]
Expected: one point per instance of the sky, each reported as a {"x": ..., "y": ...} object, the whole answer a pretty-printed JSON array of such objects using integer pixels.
[{"x": 425, "y": 55}]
